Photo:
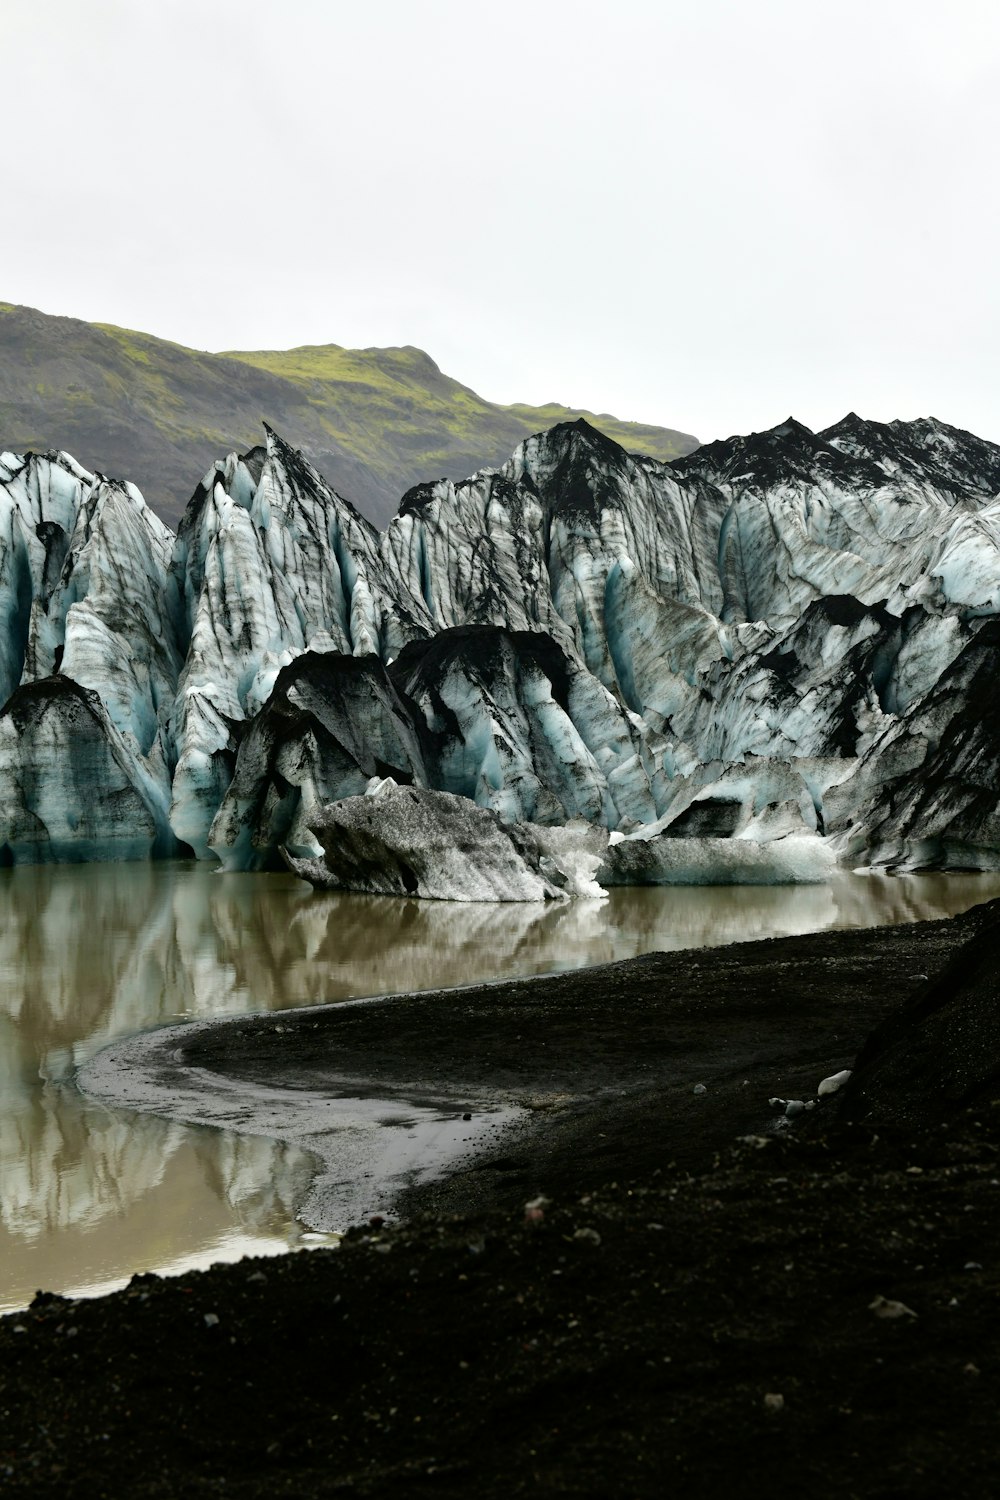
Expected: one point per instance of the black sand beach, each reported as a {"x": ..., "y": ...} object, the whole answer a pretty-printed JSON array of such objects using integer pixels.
[{"x": 692, "y": 1305}]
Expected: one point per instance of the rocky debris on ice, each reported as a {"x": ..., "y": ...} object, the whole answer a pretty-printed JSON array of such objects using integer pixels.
[
  {"x": 407, "y": 841},
  {"x": 70, "y": 788},
  {"x": 802, "y": 624},
  {"x": 331, "y": 724},
  {"x": 519, "y": 725},
  {"x": 927, "y": 795}
]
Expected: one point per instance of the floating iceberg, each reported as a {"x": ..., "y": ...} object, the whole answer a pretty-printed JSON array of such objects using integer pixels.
[
  {"x": 405, "y": 841},
  {"x": 796, "y": 859}
]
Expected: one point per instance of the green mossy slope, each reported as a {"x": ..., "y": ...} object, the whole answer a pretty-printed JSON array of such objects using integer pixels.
[{"x": 374, "y": 421}]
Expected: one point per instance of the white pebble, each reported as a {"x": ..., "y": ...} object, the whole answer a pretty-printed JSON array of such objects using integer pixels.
[
  {"x": 588, "y": 1236},
  {"x": 885, "y": 1307}
]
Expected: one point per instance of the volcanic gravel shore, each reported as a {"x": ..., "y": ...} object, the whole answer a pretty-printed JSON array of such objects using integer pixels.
[{"x": 697, "y": 1301}]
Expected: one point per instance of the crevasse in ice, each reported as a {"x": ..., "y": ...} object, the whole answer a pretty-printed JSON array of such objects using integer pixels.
[{"x": 783, "y": 639}]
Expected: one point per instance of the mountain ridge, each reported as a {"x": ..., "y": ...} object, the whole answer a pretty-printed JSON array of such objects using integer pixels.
[{"x": 375, "y": 422}]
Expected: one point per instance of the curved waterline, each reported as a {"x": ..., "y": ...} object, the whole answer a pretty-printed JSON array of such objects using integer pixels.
[{"x": 89, "y": 954}]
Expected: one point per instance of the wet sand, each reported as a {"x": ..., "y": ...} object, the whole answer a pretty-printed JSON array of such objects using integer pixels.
[
  {"x": 689, "y": 1308},
  {"x": 567, "y": 1075}
]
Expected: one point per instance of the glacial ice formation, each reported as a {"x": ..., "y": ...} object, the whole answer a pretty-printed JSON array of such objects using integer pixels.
[
  {"x": 519, "y": 725},
  {"x": 927, "y": 795},
  {"x": 405, "y": 841},
  {"x": 330, "y": 724},
  {"x": 89, "y": 662},
  {"x": 269, "y": 562},
  {"x": 794, "y": 859},
  {"x": 779, "y": 635},
  {"x": 69, "y": 785}
]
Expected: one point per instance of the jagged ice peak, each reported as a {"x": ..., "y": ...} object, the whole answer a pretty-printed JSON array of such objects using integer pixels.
[{"x": 774, "y": 636}]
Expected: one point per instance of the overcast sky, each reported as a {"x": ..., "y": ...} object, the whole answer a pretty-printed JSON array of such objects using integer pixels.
[{"x": 704, "y": 214}]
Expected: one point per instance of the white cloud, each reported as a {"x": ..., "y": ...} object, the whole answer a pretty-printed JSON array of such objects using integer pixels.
[{"x": 706, "y": 214}]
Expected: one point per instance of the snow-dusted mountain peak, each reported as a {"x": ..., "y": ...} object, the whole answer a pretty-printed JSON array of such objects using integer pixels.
[
  {"x": 782, "y": 455},
  {"x": 927, "y": 453},
  {"x": 571, "y": 467}
]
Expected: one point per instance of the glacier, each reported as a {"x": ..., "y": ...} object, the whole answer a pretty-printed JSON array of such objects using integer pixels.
[
  {"x": 775, "y": 652},
  {"x": 792, "y": 859},
  {"x": 407, "y": 841}
]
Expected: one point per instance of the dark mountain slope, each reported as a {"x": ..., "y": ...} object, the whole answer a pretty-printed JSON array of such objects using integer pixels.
[{"x": 373, "y": 421}]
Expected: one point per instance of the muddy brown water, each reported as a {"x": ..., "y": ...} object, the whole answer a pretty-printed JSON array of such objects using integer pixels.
[{"x": 92, "y": 953}]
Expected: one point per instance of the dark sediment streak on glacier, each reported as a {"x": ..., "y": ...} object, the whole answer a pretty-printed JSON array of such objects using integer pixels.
[{"x": 786, "y": 632}]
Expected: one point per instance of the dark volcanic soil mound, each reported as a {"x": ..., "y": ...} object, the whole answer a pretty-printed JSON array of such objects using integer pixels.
[{"x": 940, "y": 1051}]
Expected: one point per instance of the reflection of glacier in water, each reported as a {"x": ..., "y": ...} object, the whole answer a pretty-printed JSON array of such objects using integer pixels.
[{"x": 88, "y": 953}]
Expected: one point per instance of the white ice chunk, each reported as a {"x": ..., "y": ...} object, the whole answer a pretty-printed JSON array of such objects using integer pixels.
[
  {"x": 404, "y": 841},
  {"x": 798, "y": 859}
]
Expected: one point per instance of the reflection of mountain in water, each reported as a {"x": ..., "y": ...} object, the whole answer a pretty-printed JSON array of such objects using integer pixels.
[{"x": 89, "y": 953}]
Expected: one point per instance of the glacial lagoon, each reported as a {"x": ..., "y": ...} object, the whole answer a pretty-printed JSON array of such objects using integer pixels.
[{"x": 89, "y": 953}]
